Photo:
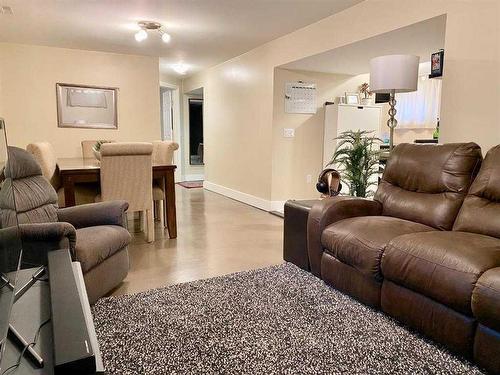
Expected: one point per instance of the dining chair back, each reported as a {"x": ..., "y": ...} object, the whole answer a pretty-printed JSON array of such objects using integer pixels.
[
  {"x": 126, "y": 174},
  {"x": 44, "y": 154},
  {"x": 163, "y": 152}
]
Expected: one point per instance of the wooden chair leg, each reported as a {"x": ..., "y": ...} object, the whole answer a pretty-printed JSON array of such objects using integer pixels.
[{"x": 150, "y": 225}]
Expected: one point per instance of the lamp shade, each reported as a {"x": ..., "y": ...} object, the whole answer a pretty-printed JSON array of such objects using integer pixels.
[{"x": 398, "y": 73}]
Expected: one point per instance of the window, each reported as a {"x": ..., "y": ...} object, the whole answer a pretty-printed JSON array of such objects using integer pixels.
[{"x": 420, "y": 109}]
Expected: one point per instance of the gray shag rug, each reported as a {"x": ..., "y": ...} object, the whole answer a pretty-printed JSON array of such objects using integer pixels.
[{"x": 276, "y": 320}]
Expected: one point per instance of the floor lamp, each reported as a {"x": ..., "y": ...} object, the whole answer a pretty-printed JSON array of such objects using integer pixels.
[{"x": 392, "y": 74}]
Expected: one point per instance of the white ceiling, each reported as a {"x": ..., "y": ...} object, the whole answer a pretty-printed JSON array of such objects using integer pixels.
[
  {"x": 204, "y": 32},
  {"x": 419, "y": 39}
]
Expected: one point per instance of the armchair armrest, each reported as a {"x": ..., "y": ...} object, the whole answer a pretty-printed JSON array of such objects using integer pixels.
[
  {"x": 40, "y": 238},
  {"x": 329, "y": 211},
  {"x": 93, "y": 214}
]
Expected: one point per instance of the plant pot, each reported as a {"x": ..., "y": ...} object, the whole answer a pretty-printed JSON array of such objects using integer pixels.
[{"x": 97, "y": 154}]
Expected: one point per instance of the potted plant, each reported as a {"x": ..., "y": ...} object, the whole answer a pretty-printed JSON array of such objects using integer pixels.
[
  {"x": 97, "y": 148},
  {"x": 364, "y": 89},
  {"x": 357, "y": 158}
]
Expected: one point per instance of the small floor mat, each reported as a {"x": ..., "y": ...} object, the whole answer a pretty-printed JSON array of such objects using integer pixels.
[{"x": 191, "y": 184}]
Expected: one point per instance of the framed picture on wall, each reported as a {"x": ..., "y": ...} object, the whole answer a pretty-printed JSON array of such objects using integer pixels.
[
  {"x": 437, "y": 61},
  {"x": 80, "y": 106},
  {"x": 352, "y": 98}
]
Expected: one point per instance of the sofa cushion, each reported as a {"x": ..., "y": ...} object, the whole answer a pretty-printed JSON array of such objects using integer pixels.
[
  {"x": 480, "y": 212},
  {"x": 486, "y": 299},
  {"x": 95, "y": 244},
  {"x": 360, "y": 241},
  {"x": 427, "y": 183},
  {"x": 444, "y": 266}
]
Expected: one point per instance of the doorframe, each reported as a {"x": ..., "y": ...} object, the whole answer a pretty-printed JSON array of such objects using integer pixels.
[
  {"x": 176, "y": 125},
  {"x": 191, "y": 172}
]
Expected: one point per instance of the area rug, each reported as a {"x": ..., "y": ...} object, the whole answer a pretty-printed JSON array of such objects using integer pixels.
[
  {"x": 276, "y": 320},
  {"x": 191, "y": 184}
]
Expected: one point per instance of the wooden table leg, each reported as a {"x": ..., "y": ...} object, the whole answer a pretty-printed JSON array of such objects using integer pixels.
[
  {"x": 69, "y": 191},
  {"x": 169, "y": 212}
]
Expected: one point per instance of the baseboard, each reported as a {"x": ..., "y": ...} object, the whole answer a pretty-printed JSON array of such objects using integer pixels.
[
  {"x": 278, "y": 206},
  {"x": 249, "y": 199},
  {"x": 192, "y": 177}
]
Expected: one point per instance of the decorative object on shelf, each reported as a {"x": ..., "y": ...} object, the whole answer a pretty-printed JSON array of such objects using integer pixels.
[
  {"x": 352, "y": 98},
  {"x": 437, "y": 61},
  {"x": 80, "y": 106},
  {"x": 357, "y": 157},
  {"x": 329, "y": 183},
  {"x": 97, "y": 148},
  {"x": 393, "y": 74},
  {"x": 145, "y": 26},
  {"x": 364, "y": 90}
]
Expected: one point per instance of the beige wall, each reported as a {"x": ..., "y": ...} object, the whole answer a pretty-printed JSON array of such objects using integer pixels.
[
  {"x": 28, "y": 75},
  {"x": 239, "y": 92},
  {"x": 296, "y": 158},
  {"x": 170, "y": 79}
]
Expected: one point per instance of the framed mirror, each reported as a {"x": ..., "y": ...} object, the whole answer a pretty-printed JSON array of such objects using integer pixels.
[{"x": 10, "y": 244}]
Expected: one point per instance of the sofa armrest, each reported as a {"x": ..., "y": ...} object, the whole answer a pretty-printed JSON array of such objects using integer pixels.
[
  {"x": 329, "y": 211},
  {"x": 40, "y": 238},
  {"x": 93, "y": 214}
]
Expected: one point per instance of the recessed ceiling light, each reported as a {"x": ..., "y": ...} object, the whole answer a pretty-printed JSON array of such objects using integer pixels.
[
  {"x": 6, "y": 10},
  {"x": 180, "y": 68}
]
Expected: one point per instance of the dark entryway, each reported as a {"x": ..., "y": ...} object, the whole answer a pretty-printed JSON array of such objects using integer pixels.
[{"x": 196, "y": 131}]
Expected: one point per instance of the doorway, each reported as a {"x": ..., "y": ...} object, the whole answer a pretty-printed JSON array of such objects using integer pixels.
[
  {"x": 195, "y": 131},
  {"x": 193, "y": 136}
]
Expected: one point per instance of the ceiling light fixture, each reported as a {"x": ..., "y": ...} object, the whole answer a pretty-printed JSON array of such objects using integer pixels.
[
  {"x": 180, "y": 68},
  {"x": 141, "y": 35},
  {"x": 146, "y": 26}
]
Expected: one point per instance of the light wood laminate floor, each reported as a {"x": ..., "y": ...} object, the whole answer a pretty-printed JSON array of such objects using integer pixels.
[{"x": 216, "y": 236}]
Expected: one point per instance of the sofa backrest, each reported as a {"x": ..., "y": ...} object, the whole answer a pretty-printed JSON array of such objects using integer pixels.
[
  {"x": 428, "y": 183},
  {"x": 480, "y": 212},
  {"x": 35, "y": 198}
]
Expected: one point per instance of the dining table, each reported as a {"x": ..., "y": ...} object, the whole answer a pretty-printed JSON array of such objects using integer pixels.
[{"x": 84, "y": 170}]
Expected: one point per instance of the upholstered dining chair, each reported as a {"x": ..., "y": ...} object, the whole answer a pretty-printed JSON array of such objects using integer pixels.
[
  {"x": 87, "y": 148},
  {"x": 163, "y": 154},
  {"x": 44, "y": 154},
  {"x": 126, "y": 174}
]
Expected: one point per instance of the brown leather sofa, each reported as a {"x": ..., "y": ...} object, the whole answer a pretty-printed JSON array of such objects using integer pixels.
[{"x": 418, "y": 249}]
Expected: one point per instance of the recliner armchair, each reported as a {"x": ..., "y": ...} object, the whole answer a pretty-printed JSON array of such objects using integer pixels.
[{"x": 94, "y": 233}]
